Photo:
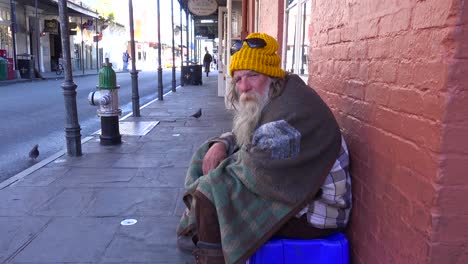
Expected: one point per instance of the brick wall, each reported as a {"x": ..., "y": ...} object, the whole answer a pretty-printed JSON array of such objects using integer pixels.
[
  {"x": 395, "y": 74},
  {"x": 450, "y": 236},
  {"x": 268, "y": 11}
]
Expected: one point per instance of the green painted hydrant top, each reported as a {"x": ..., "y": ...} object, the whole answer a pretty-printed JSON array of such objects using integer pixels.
[{"x": 107, "y": 79}]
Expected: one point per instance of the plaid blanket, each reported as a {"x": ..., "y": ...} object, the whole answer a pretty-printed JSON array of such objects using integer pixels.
[{"x": 259, "y": 188}]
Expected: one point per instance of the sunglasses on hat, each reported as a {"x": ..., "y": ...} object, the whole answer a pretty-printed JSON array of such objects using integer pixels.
[{"x": 251, "y": 42}]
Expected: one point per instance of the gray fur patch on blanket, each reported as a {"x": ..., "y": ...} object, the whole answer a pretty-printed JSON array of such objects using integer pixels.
[{"x": 279, "y": 138}]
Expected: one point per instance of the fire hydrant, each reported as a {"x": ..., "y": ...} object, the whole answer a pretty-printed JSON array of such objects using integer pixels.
[{"x": 106, "y": 97}]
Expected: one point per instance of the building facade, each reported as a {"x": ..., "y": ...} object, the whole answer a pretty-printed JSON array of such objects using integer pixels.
[{"x": 43, "y": 46}]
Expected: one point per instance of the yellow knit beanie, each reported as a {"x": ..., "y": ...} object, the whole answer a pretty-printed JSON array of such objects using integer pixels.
[{"x": 263, "y": 60}]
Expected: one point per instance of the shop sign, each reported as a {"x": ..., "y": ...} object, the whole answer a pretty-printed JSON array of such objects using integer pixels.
[
  {"x": 51, "y": 26},
  {"x": 202, "y": 7}
]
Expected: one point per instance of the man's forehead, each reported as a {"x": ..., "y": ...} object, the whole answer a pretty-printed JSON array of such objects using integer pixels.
[{"x": 239, "y": 73}]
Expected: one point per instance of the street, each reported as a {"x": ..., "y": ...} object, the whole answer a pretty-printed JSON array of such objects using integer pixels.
[{"x": 34, "y": 113}]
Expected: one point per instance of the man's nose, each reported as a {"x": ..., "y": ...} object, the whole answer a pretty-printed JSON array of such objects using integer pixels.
[{"x": 243, "y": 86}]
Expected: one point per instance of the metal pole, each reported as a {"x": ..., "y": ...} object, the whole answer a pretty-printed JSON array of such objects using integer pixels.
[
  {"x": 97, "y": 46},
  {"x": 36, "y": 22},
  {"x": 181, "y": 48},
  {"x": 173, "y": 50},
  {"x": 13, "y": 31},
  {"x": 133, "y": 72},
  {"x": 190, "y": 52},
  {"x": 187, "y": 33},
  {"x": 285, "y": 36},
  {"x": 160, "y": 84},
  {"x": 72, "y": 127},
  {"x": 293, "y": 51},
  {"x": 303, "y": 36},
  {"x": 82, "y": 47},
  {"x": 195, "y": 43}
]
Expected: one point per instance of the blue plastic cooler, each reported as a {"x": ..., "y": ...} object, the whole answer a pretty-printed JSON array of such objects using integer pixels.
[{"x": 330, "y": 250}]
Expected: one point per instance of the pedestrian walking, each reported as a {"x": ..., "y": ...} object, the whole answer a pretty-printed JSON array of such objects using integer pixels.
[
  {"x": 207, "y": 61},
  {"x": 125, "y": 58}
]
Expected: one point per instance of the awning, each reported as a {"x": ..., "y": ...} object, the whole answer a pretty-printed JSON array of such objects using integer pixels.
[
  {"x": 50, "y": 7},
  {"x": 75, "y": 8}
]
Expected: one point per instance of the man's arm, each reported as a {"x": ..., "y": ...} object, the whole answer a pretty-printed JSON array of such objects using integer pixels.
[{"x": 220, "y": 149}]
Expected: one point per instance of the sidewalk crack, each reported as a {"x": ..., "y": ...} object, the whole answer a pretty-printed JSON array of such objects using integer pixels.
[{"x": 17, "y": 251}]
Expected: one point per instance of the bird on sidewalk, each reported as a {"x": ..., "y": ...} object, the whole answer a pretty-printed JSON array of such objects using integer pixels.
[
  {"x": 197, "y": 114},
  {"x": 34, "y": 152}
]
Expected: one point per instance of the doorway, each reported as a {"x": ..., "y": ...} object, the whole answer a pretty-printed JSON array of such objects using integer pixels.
[{"x": 55, "y": 49}]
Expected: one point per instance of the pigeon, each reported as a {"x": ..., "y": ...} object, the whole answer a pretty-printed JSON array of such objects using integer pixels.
[
  {"x": 197, "y": 114},
  {"x": 34, "y": 153}
]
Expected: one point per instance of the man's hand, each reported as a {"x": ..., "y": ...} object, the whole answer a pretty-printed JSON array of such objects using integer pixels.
[{"x": 214, "y": 156}]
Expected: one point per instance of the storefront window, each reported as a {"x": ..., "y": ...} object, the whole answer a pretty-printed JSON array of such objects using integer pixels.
[
  {"x": 5, "y": 33},
  {"x": 296, "y": 56}
]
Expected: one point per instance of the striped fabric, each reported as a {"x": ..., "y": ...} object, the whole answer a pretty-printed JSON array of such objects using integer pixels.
[{"x": 332, "y": 207}]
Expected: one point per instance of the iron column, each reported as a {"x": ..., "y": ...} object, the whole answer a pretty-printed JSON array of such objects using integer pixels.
[
  {"x": 303, "y": 38},
  {"x": 195, "y": 42},
  {"x": 82, "y": 46},
  {"x": 181, "y": 48},
  {"x": 293, "y": 51},
  {"x": 97, "y": 45},
  {"x": 72, "y": 127},
  {"x": 173, "y": 54},
  {"x": 36, "y": 33},
  {"x": 160, "y": 85},
  {"x": 187, "y": 33},
  {"x": 133, "y": 72},
  {"x": 13, "y": 31},
  {"x": 96, "y": 38}
]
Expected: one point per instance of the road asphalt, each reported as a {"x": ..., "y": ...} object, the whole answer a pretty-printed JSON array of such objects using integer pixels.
[{"x": 114, "y": 204}]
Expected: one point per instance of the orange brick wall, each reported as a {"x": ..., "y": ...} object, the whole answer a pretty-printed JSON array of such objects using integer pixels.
[{"x": 395, "y": 74}]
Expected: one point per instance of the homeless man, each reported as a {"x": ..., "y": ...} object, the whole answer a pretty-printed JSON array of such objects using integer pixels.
[{"x": 283, "y": 171}]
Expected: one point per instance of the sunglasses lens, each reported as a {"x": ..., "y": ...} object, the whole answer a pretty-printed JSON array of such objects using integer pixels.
[
  {"x": 255, "y": 42},
  {"x": 236, "y": 46},
  {"x": 251, "y": 42}
]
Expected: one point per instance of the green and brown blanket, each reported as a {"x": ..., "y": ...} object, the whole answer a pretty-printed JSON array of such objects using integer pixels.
[{"x": 259, "y": 188}]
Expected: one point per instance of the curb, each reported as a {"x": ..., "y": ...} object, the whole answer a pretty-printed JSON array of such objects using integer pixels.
[{"x": 36, "y": 166}]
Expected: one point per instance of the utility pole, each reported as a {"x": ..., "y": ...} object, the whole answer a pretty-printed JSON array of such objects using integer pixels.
[
  {"x": 133, "y": 72},
  {"x": 173, "y": 54},
  {"x": 72, "y": 127},
  {"x": 160, "y": 84}
]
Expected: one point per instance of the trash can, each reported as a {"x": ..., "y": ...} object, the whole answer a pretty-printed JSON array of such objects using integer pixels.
[
  {"x": 26, "y": 66},
  {"x": 3, "y": 69},
  {"x": 192, "y": 74}
]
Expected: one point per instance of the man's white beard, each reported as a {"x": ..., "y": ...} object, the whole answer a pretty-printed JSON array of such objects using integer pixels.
[{"x": 246, "y": 119}]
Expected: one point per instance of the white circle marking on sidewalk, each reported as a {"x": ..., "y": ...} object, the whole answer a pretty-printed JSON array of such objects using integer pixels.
[{"x": 128, "y": 222}]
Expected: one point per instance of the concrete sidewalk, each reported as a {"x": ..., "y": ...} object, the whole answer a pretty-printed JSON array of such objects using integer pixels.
[{"x": 70, "y": 210}]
